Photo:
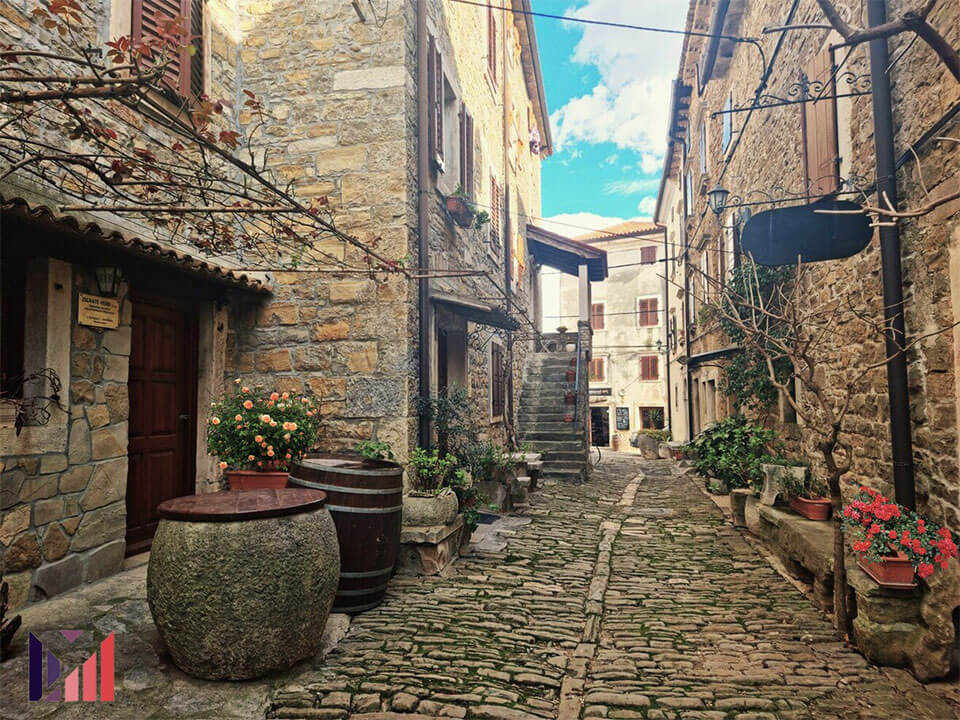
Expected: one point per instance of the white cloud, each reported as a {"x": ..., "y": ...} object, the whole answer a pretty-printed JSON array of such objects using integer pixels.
[
  {"x": 572, "y": 225},
  {"x": 632, "y": 187},
  {"x": 630, "y": 103},
  {"x": 647, "y": 207}
]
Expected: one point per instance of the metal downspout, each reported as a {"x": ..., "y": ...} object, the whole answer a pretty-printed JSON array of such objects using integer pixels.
[
  {"x": 893, "y": 307},
  {"x": 423, "y": 226},
  {"x": 666, "y": 324}
]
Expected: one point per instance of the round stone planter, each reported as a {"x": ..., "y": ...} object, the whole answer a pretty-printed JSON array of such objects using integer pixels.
[
  {"x": 423, "y": 509},
  {"x": 240, "y": 583}
]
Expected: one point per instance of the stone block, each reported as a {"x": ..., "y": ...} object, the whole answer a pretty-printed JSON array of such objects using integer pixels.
[
  {"x": 10, "y": 484},
  {"x": 76, "y": 478},
  {"x": 104, "y": 561},
  {"x": 109, "y": 442},
  {"x": 117, "y": 342},
  {"x": 46, "y": 511},
  {"x": 81, "y": 392},
  {"x": 351, "y": 291},
  {"x": 117, "y": 368},
  {"x": 80, "y": 365},
  {"x": 79, "y": 449},
  {"x": 39, "y": 488},
  {"x": 738, "y": 506},
  {"x": 364, "y": 360},
  {"x": 338, "y": 330},
  {"x": 274, "y": 361},
  {"x": 23, "y": 553},
  {"x": 55, "y": 543},
  {"x": 83, "y": 338},
  {"x": 19, "y": 586},
  {"x": 373, "y": 397},
  {"x": 70, "y": 524},
  {"x": 98, "y": 415},
  {"x": 428, "y": 550},
  {"x": 279, "y": 314},
  {"x": 100, "y": 526},
  {"x": 108, "y": 485},
  {"x": 118, "y": 402},
  {"x": 96, "y": 369},
  {"x": 370, "y": 78},
  {"x": 53, "y": 463},
  {"x": 58, "y": 577},
  {"x": 312, "y": 358},
  {"x": 14, "y": 523},
  {"x": 336, "y": 160}
]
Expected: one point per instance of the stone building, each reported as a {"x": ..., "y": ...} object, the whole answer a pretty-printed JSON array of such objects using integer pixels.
[
  {"x": 628, "y": 387},
  {"x": 784, "y": 150},
  {"x": 342, "y": 94}
]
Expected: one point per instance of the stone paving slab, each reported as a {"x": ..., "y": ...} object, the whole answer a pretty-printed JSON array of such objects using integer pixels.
[{"x": 627, "y": 597}]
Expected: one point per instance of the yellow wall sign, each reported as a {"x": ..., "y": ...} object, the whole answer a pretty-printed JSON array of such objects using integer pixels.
[{"x": 98, "y": 311}]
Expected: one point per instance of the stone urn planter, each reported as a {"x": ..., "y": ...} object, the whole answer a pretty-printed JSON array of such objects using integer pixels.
[
  {"x": 894, "y": 572},
  {"x": 240, "y": 583},
  {"x": 774, "y": 479},
  {"x": 811, "y": 508},
  {"x": 425, "y": 509},
  {"x": 252, "y": 480}
]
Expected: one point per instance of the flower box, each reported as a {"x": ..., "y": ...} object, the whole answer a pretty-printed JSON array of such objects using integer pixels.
[
  {"x": 460, "y": 210},
  {"x": 895, "y": 572},
  {"x": 811, "y": 509}
]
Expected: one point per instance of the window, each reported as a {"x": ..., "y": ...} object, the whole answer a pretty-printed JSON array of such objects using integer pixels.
[
  {"x": 491, "y": 43},
  {"x": 673, "y": 331},
  {"x": 727, "y": 122},
  {"x": 651, "y": 418},
  {"x": 13, "y": 310},
  {"x": 821, "y": 155},
  {"x": 496, "y": 222},
  {"x": 647, "y": 312},
  {"x": 648, "y": 255},
  {"x": 687, "y": 194},
  {"x": 497, "y": 378},
  {"x": 598, "y": 370},
  {"x": 703, "y": 147},
  {"x": 596, "y": 316},
  {"x": 466, "y": 152},
  {"x": 650, "y": 367},
  {"x": 435, "y": 101},
  {"x": 185, "y": 73}
]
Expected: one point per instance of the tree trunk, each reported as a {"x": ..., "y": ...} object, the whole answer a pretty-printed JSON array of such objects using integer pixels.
[{"x": 840, "y": 614}]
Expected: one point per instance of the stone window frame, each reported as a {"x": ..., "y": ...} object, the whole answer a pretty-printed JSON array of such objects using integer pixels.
[{"x": 49, "y": 305}]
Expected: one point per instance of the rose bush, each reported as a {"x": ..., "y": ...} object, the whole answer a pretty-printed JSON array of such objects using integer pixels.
[
  {"x": 884, "y": 528},
  {"x": 261, "y": 431}
]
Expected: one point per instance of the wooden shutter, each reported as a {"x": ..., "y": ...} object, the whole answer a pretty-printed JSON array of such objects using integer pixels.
[
  {"x": 647, "y": 312},
  {"x": 495, "y": 220},
  {"x": 435, "y": 99},
  {"x": 648, "y": 255},
  {"x": 496, "y": 380},
  {"x": 463, "y": 149},
  {"x": 148, "y": 16},
  {"x": 650, "y": 368},
  {"x": 821, "y": 156},
  {"x": 468, "y": 186},
  {"x": 197, "y": 39},
  {"x": 491, "y": 43},
  {"x": 597, "y": 319},
  {"x": 598, "y": 369}
]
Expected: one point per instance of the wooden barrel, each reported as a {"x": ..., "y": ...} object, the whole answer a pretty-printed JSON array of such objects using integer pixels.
[{"x": 365, "y": 499}]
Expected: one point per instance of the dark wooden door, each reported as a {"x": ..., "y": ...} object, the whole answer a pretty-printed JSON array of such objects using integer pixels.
[{"x": 162, "y": 386}]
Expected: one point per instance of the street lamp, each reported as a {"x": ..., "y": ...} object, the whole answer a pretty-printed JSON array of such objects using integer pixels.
[
  {"x": 718, "y": 199},
  {"x": 108, "y": 280}
]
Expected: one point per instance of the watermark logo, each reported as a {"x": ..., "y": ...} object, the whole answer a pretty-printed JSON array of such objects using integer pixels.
[{"x": 81, "y": 684}]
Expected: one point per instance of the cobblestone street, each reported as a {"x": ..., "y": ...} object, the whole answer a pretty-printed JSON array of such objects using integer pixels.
[{"x": 627, "y": 597}]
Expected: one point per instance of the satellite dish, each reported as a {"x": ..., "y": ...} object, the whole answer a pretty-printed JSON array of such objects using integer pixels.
[{"x": 781, "y": 236}]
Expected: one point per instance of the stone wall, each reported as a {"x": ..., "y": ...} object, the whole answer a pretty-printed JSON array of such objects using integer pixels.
[{"x": 63, "y": 508}]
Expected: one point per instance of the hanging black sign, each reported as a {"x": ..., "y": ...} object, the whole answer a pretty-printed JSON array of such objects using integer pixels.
[
  {"x": 779, "y": 237},
  {"x": 623, "y": 418}
]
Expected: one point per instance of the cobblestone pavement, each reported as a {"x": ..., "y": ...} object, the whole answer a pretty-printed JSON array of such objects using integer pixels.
[{"x": 627, "y": 597}]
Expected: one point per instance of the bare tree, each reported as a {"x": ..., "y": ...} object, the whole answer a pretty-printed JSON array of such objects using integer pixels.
[{"x": 785, "y": 320}]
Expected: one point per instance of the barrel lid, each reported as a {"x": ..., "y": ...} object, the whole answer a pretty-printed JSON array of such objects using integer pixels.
[{"x": 231, "y": 505}]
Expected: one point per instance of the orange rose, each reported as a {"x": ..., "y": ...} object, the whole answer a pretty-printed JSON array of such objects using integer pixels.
[
  {"x": 274, "y": 396},
  {"x": 258, "y": 438},
  {"x": 245, "y": 389},
  {"x": 250, "y": 457},
  {"x": 223, "y": 465},
  {"x": 215, "y": 420},
  {"x": 238, "y": 418},
  {"x": 248, "y": 404}
]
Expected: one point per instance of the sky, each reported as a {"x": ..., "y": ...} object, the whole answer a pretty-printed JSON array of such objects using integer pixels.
[{"x": 608, "y": 93}]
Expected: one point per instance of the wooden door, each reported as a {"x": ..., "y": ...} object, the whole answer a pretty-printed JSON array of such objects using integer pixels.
[{"x": 162, "y": 385}]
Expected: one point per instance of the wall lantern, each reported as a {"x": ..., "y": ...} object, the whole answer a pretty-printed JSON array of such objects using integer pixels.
[
  {"x": 108, "y": 280},
  {"x": 718, "y": 199}
]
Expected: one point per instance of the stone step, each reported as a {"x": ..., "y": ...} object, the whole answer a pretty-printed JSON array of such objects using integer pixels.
[
  {"x": 535, "y": 434},
  {"x": 542, "y": 446},
  {"x": 542, "y": 416}
]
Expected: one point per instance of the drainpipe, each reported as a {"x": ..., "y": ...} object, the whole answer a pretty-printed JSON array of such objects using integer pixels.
[
  {"x": 508, "y": 246},
  {"x": 423, "y": 224},
  {"x": 666, "y": 321},
  {"x": 893, "y": 307}
]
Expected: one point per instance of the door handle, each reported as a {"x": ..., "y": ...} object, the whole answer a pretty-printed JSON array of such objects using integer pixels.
[{"x": 184, "y": 417}]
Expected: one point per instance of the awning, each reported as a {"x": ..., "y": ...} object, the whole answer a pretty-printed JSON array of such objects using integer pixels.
[
  {"x": 114, "y": 240},
  {"x": 475, "y": 311},
  {"x": 695, "y": 360},
  {"x": 566, "y": 255}
]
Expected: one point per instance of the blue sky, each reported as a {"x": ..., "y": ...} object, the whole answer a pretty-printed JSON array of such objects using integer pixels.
[{"x": 608, "y": 92}]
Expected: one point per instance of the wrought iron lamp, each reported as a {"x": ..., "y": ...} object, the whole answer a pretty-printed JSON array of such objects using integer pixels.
[
  {"x": 717, "y": 198},
  {"x": 108, "y": 280}
]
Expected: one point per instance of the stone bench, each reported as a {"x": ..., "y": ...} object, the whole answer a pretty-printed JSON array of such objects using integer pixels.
[{"x": 428, "y": 549}]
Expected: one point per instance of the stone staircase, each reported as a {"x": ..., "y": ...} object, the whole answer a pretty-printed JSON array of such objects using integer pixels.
[{"x": 541, "y": 422}]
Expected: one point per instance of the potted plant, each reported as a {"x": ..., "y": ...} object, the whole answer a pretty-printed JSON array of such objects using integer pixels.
[
  {"x": 805, "y": 495},
  {"x": 483, "y": 218},
  {"x": 458, "y": 205},
  {"x": 731, "y": 451},
  {"x": 778, "y": 472},
  {"x": 571, "y": 374},
  {"x": 257, "y": 435},
  {"x": 894, "y": 542},
  {"x": 562, "y": 329},
  {"x": 432, "y": 500},
  {"x": 569, "y": 397},
  {"x": 374, "y": 450}
]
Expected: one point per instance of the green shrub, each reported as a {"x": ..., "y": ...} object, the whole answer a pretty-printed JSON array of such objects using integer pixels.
[
  {"x": 374, "y": 450},
  {"x": 431, "y": 472},
  {"x": 732, "y": 450}
]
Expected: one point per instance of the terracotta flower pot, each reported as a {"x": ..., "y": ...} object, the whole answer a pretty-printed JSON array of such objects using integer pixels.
[
  {"x": 894, "y": 572},
  {"x": 573, "y": 362},
  {"x": 252, "y": 480},
  {"x": 569, "y": 398},
  {"x": 460, "y": 210},
  {"x": 568, "y": 418},
  {"x": 816, "y": 509},
  {"x": 571, "y": 375}
]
